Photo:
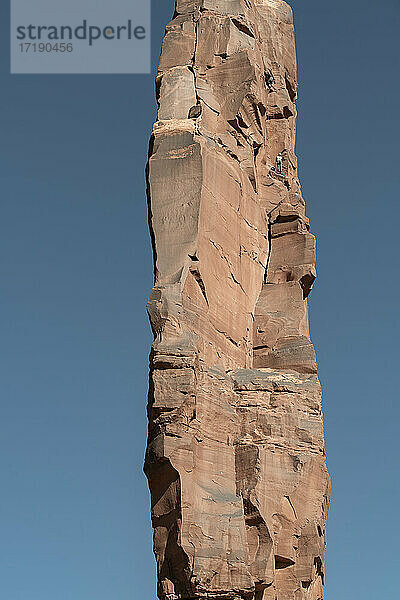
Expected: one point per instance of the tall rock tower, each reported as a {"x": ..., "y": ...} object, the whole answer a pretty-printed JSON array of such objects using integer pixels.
[{"x": 235, "y": 458}]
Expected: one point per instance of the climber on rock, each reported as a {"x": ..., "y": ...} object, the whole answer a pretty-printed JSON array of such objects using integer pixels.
[
  {"x": 270, "y": 80},
  {"x": 279, "y": 164}
]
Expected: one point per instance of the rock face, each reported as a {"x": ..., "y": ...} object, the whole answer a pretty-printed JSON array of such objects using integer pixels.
[{"x": 235, "y": 458}]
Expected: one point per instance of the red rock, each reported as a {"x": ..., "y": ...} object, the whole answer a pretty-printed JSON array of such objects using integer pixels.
[{"x": 235, "y": 458}]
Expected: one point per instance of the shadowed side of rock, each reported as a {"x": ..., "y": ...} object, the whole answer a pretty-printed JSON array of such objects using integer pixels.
[{"x": 235, "y": 458}]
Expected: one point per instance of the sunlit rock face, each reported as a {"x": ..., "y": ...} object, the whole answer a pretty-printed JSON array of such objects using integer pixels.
[{"x": 235, "y": 458}]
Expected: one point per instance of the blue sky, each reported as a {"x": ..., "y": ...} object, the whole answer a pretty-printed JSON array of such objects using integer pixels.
[{"x": 76, "y": 271}]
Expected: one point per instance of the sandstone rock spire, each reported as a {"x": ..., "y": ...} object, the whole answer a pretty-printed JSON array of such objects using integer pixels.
[{"x": 235, "y": 458}]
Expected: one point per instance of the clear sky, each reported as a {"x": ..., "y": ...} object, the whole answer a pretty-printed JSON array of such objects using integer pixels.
[{"x": 76, "y": 271}]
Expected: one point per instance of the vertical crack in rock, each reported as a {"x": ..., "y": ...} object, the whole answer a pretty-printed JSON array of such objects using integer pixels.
[
  {"x": 235, "y": 458},
  {"x": 259, "y": 541}
]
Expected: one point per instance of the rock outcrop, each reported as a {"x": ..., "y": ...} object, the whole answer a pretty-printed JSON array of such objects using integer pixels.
[{"x": 235, "y": 458}]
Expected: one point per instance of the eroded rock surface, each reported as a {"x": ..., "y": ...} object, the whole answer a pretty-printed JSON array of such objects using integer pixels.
[{"x": 235, "y": 459}]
